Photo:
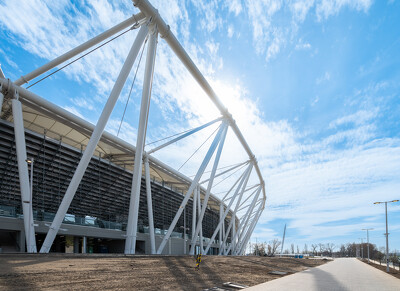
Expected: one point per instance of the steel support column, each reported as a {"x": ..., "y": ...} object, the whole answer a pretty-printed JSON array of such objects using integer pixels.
[
  {"x": 199, "y": 207},
  {"x": 191, "y": 188},
  {"x": 131, "y": 229},
  {"x": 233, "y": 237},
  {"x": 194, "y": 214},
  {"x": 221, "y": 224},
  {"x": 84, "y": 244},
  {"x": 94, "y": 139},
  {"x": 244, "y": 225},
  {"x": 221, "y": 212},
  {"x": 245, "y": 220},
  {"x": 252, "y": 226},
  {"x": 210, "y": 183},
  {"x": 23, "y": 175},
  {"x": 149, "y": 206},
  {"x": 237, "y": 204}
]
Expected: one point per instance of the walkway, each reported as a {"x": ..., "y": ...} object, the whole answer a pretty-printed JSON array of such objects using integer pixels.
[{"x": 341, "y": 274}]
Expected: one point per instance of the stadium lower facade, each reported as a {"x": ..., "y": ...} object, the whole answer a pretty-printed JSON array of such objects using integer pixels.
[{"x": 97, "y": 218}]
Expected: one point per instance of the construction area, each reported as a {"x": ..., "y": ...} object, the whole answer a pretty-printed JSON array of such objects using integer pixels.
[{"x": 121, "y": 272}]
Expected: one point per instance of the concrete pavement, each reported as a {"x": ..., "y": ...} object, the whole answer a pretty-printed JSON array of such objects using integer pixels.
[{"x": 341, "y": 274}]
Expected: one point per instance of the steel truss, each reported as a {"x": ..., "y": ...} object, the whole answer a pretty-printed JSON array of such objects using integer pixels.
[{"x": 237, "y": 232}]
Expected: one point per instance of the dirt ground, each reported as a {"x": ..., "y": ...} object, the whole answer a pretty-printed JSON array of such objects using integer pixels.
[
  {"x": 119, "y": 272},
  {"x": 393, "y": 272}
]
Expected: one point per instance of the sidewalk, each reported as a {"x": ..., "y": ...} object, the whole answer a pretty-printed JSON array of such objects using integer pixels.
[{"x": 341, "y": 274}]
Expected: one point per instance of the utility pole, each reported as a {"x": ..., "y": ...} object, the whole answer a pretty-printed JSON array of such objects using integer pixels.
[
  {"x": 362, "y": 247},
  {"x": 367, "y": 229},
  {"x": 387, "y": 233}
]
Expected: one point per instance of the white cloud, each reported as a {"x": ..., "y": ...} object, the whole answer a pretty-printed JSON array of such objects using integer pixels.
[
  {"x": 358, "y": 118},
  {"x": 209, "y": 17},
  {"x": 234, "y": 6},
  {"x": 326, "y": 8},
  {"x": 325, "y": 77},
  {"x": 275, "y": 22},
  {"x": 315, "y": 101},
  {"x": 73, "y": 110},
  {"x": 230, "y": 31},
  {"x": 127, "y": 131},
  {"x": 300, "y": 8},
  {"x": 302, "y": 45}
]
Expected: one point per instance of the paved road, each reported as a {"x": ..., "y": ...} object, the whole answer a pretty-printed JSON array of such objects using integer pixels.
[{"x": 341, "y": 274}]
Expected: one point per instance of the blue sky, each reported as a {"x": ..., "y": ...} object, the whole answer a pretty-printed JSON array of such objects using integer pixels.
[{"x": 313, "y": 85}]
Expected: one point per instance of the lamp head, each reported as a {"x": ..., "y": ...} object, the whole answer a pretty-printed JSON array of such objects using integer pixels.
[{"x": 377, "y": 202}]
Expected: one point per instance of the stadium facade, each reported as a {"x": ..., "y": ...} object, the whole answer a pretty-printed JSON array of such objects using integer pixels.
[{"x": 68, "y": 186}]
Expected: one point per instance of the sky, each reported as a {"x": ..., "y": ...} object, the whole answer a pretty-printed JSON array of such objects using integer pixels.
[{"x": 313, "y": 86}]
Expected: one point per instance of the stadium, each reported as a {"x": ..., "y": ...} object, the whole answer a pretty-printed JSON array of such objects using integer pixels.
[{"x": 69, "y": 186}]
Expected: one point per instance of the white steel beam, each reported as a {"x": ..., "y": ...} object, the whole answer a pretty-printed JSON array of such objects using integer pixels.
[
  {"x": 210, "y": 183},
  {"x": 258, "y": 185},
  {"x": 245, "y": 220},
  {"x": 164, "y": 29},
  {"x": 233, "y": 236},
  {"x": 199, "y": 207},
  {"x": 194, "y": 213},
  {"x": 251, "y": 216},
  {"x": 251, "y": 228},
  {"x": 135, "y": 19},
  {"x": 149, "y": 206},
  {"x": 221, "y": 224},
  {"x": 94, "y": 139},
  {"x": 233, "y": 186},
  {"x": 23, "y": 175},
  {"x": 237, "y": 205},
  {"x": 184, "y": 135},
  {"x": 191, "y": 188},
  {"x": 253, "y": 224},
  {"x": 224, "y": 172},
  {"x": 221, "y": 212},
  {"x": 131, "y": 229},
  {"x": 1, "y": 73},
  {"x": 247, "y": 190}
]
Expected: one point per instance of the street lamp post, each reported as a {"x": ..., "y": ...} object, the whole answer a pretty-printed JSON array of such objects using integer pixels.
[
  {"x": 387, "y": 233},
  {"x": 362, "y": 247},
  {"x": 30, "y": 161},
  {"x": 367, "y": 229},
  {"x": 184, "y": 231}
]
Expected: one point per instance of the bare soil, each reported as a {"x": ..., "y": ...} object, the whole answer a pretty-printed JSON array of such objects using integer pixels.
[
  {"x": 120, "y": 272},
  {"x": 393, "y": 272}
]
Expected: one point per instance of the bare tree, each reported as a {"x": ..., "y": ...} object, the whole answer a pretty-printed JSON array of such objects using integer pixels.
[
  {"x": 330, "y": 247},
  {"x": 298, "y": 250},
  {"x": 292, "y": 248},
  {"x": 314, "y": 248},
  {"x": 305, "y": 250},
  {"x": 259, "y": 249},
  {"x": 342, "y": 250},
  {"x": 321, "y": 248},
  {"x": 272, "y": 247}
]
